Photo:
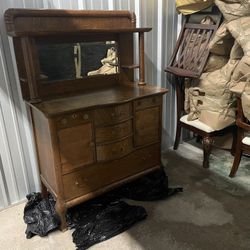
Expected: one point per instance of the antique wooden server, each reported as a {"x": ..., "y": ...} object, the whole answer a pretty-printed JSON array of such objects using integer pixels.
[{"x": 95, "y": 132}]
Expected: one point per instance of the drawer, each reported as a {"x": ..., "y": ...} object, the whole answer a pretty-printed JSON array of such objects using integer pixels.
[
  {"x": 114, "y": 114},
  {"x": 113, "y": 132},
  {"x": 114, "y": 150},
  {"x": 148, "y": 102},
  {"x": 73, "y": 119},
  {"x": 98, "y": 176}
]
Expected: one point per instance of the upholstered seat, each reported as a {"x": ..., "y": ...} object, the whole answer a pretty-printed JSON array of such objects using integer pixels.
[
  {"x": 207, "y": 133},
  {"x": 197, "y": 124},
  {"x": 246, "y": 140}
]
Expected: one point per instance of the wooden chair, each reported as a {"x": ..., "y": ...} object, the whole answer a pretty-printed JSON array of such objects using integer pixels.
[
  {"x": 205, "y": 132},
  {"x": 188, "y": 61},
  {"x": 243, "y": 141}
]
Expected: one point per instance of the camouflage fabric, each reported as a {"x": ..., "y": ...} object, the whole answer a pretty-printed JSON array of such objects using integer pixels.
[
  {"x": 220, "y": 82},
  {"x": 240, "y": 29},
  {"x": 222, "y": 42},
  {"x": 233, "y": 9},
  {"x": 246, "y": 101}
]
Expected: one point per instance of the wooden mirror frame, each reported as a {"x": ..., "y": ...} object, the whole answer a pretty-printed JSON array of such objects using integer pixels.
[{"x": 27, "y": 26}]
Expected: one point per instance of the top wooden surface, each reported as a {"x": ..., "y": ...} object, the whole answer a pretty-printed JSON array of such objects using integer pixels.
[
  {"x": 97, "y": 98},
  {"x": 37, "y": 22},
  {"x": 25, "y": 12}
]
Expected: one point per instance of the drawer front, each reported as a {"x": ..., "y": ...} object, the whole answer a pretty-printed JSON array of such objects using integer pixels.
[
  {"x": 114, "y": 150},
  {"x": 113, "y": 132},
  {"x": 148, "y": 102},
  {"x": 94, "y": 177},
  {"x": 114, "y": 114},
  {"x": 147, "y": 126},
  {"x": 73, "y": 119}
]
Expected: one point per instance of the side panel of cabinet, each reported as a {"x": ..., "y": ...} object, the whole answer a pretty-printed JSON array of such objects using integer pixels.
[
  {"x": 45, "y": 152},
  {"x": 147, "y": 126},
  {"x": 76, "y": 145}
]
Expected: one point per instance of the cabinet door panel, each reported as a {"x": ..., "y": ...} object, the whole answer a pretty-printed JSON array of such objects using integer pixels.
[
  {"x": 147, "y": 124},
  {"x": 76, "y": 145}
]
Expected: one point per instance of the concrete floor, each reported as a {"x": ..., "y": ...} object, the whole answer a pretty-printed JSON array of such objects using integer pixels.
[{"x": 213, "y": 212}]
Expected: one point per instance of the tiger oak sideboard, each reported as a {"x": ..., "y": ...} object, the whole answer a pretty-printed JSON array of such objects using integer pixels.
[{"x": 95, "y": 127}]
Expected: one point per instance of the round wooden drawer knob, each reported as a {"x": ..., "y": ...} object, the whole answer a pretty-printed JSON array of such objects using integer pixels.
[
  {"x": 74, "y": 116},
  {"x": 85, "y": 116},
  {"x": 64, "y": 121}
]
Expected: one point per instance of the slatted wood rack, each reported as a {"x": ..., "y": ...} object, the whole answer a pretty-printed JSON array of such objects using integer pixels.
[{"x": 191, "y": 51}]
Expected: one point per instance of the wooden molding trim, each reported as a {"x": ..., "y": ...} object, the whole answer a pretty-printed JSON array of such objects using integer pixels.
[{"x": 23, "y": 21}]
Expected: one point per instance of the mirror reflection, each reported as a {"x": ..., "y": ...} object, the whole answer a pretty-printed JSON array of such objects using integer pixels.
[{"x": 67, "y": 61}]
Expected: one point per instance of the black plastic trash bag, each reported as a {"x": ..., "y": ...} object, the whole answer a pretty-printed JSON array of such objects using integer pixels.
[
  {"x": 101, "y": 218},
  {"x": 40, "y": 215},
  {"x": 97, "y": 221},
  {"x": 151, "y": 187}
]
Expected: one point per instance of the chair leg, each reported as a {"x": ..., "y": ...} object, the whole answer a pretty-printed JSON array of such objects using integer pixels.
[
  {"x": 236, "y": 163},
  {"x": 233, "y": 148},
  {"x": 238, "y": 152},
  {"x": 207, "y": 147},
  {"x": 179, "y": 108},
  {"x": 177, "y": 136}
]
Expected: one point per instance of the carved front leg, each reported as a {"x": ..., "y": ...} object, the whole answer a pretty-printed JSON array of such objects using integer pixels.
[
  {"x": 207, "y": 147},
  {"x": 61, "y": 211},
  {"x": 44, "y": 191}
]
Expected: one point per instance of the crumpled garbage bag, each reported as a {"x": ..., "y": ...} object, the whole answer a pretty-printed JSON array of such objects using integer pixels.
[
  {"x": 101, "y": 218},
  {"x": 151, "y": 187},
  {"x": 98, "y": 220},
  {"x": 40, "y": 215}
]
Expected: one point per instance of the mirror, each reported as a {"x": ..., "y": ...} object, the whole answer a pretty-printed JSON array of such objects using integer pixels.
[{"x": 67, "y": 61}]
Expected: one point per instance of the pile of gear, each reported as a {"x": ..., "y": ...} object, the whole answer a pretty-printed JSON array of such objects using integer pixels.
[{"x": 212, "y": 98}]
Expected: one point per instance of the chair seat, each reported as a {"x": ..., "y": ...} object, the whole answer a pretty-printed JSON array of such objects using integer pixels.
[
  {"x": 197, "y": 124},
  {"x": 246, "y": 140}
]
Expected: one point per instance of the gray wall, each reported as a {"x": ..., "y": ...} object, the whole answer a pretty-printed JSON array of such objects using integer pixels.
[{"x": 18, "y": 166}]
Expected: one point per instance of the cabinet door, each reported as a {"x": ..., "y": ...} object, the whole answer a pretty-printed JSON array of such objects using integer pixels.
[
  {"x": 76, "y": 145},
  {"x": 147, "y": 126}
]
